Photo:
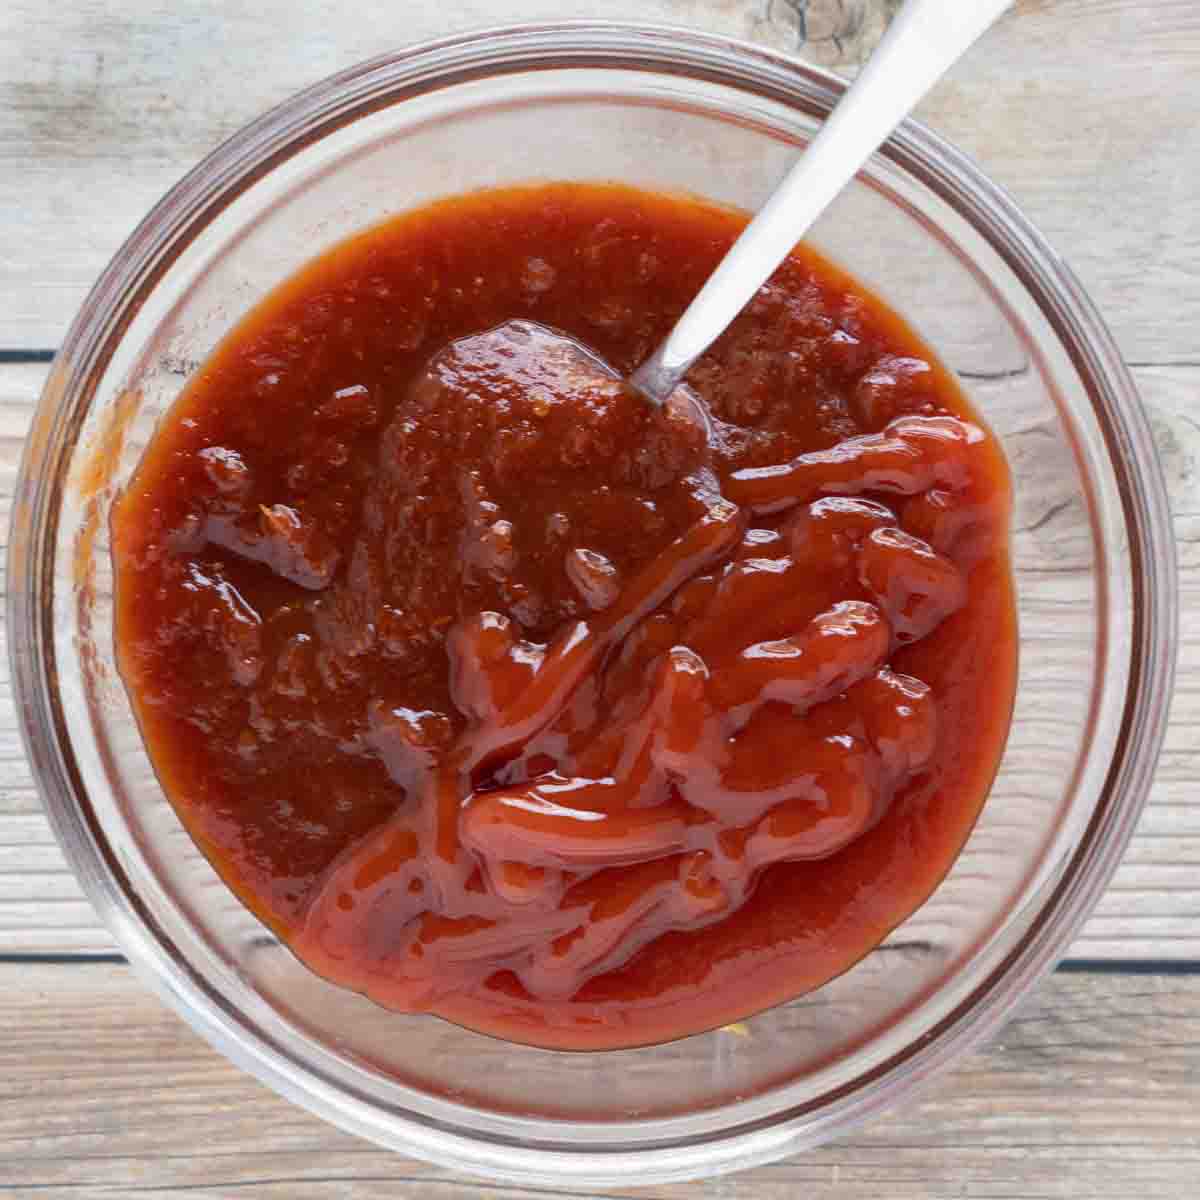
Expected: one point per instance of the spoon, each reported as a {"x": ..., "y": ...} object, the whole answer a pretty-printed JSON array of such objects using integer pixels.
[{"x": 925, "y": 39}]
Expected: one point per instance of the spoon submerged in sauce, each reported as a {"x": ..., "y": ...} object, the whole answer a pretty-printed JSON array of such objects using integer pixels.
[{"x": 926, "y": 38}]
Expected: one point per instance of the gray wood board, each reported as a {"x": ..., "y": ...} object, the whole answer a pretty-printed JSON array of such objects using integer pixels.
[
  {"x": 1152, "y": 909},
  {"x": 1086, "y": 110},
  {"x": 1092, "y": 1090}
]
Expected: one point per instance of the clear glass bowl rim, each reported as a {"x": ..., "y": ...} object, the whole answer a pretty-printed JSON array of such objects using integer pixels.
[{"x": 248, "y": 156}]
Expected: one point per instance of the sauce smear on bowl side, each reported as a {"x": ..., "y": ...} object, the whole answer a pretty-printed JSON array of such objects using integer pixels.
[{"x": 501, "y": 695}]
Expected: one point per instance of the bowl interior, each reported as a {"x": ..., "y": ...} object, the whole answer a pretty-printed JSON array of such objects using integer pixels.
[{"x": 409, "y": 130}]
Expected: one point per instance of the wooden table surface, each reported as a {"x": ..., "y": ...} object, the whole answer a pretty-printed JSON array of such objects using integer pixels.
[{"x": 1089, "y": 112}]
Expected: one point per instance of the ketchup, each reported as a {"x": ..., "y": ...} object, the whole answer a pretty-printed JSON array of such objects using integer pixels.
[{"x": 499, "y": 694}]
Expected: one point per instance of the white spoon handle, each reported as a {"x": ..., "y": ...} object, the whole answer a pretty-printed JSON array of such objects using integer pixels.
[{"x": 924, "y": 40}]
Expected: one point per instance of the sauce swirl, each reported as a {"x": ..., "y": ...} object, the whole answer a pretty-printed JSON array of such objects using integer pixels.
[{"x": 499, "y": 695}]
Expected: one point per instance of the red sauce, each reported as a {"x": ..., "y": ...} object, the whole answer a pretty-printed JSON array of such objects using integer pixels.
[{"x": 501, "y": 696}]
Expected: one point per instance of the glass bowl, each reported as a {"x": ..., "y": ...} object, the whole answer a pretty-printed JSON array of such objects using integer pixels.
[{"x": 676, "y": 110}]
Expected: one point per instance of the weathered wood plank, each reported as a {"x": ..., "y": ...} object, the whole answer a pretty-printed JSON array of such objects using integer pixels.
[
  {"x": 1151, "y": 911},
  {"x": 1092, "y": 1091},
  {"x": 103, "y": 107},
  {"x": 1089, "y": 112}
]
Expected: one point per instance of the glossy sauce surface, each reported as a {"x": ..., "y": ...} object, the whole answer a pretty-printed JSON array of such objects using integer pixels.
[{"x": 501, "y": 696}]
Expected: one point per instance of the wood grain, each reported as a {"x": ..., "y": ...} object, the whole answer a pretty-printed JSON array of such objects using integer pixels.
[
  {"x": 1092, "y": 1091},
  {"x": 1085, "y": 109},
  {"x": 1151, "y": 911},
  {"x": 1089, "y": 112}
]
